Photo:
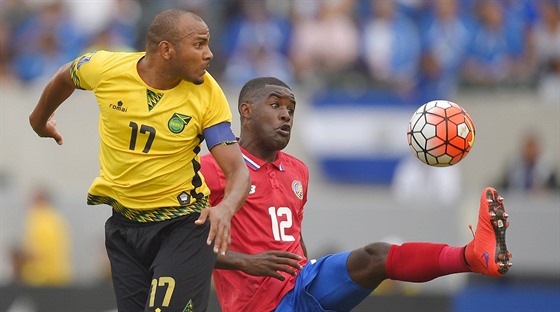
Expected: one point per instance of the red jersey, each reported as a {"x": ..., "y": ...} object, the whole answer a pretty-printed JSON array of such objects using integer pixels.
[{"x": 270, "y": 219}]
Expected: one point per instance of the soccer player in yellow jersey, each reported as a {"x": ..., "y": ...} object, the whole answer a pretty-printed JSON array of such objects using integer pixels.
[{"x": 156, "y": 108}]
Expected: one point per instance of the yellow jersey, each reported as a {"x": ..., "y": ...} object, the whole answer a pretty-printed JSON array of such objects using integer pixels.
[{"x": 149, "y": 139}]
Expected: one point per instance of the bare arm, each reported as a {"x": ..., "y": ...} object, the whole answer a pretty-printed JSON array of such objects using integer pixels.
[
  {"x": 233, "y": 166},
  {"x": 58, "y": 89},
  {"x": 269, "y": 263}
]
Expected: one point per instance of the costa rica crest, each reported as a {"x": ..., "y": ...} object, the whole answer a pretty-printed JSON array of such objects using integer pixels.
[{"x": 297, "y": 187}]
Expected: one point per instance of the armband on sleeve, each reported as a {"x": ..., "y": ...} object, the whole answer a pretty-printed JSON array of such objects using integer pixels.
[{"x": 219, "y": 134}]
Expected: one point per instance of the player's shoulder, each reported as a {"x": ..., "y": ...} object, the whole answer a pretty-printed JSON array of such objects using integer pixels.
[
  {"x": 108, "y": 59},
  {"x": 209, "y": 78},
  {"x": 116, "y": 58},
  {"x": 118, "y": 55},
  {"x": 211, "y": 83},
  {"x": 290, "y": 157},
  {"x": 294, "y": 161}
]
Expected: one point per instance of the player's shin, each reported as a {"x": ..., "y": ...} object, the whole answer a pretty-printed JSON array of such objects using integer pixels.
[{"x": 422, "y": 262}]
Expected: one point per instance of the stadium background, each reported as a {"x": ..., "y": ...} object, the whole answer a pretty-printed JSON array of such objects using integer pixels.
[{"x": 350, "y": 129}]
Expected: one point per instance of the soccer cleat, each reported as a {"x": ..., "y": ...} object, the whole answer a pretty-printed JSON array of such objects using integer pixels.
[{"x": 487, "y": 253}]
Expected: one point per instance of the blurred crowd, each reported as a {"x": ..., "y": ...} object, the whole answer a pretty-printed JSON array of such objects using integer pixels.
[{"x": 414, "y": 48}]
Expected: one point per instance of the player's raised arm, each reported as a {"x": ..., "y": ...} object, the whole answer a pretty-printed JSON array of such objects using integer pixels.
[
  {"x": 228, "y": 157},
  {"x": 268, "y": 263},
  {"x": 57, "y": 90}
]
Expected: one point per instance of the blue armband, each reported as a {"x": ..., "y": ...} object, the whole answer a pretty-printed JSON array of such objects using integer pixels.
[{"x": 218, "y": 134}]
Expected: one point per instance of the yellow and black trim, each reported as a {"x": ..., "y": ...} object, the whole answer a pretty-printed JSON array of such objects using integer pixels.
[{"x": 149, "y": 215}]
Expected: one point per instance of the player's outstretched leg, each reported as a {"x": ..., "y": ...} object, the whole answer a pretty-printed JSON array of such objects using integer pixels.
[{"x": 487, "y": 252}]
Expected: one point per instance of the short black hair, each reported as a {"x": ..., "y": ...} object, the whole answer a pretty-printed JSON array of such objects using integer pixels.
[
  {"x": 164, "y": 27},
  {"x": 252, "y": 86}
]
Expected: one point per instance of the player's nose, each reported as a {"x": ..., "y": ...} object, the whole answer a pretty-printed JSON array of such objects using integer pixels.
[
  {"x": 285, "y": 114},
  {"x": 208, "y": 55}
]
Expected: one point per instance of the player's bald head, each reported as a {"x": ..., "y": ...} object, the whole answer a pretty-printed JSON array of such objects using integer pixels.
[{"x": 166, "y": 27}]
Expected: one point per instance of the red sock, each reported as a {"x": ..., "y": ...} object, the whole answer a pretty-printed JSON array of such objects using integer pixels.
[{"x": 422, "y": 262}]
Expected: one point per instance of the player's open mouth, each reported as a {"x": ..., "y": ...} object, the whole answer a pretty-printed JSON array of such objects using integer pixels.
[
  {"x": 205, "y": 69},
  {"x": 285, "y": 129}
]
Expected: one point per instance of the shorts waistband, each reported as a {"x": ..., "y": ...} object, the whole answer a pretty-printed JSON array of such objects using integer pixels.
[{"x": 161, "y": 214}]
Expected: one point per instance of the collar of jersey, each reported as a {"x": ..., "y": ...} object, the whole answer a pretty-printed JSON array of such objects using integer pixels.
[{"x": 255, "y": 163}]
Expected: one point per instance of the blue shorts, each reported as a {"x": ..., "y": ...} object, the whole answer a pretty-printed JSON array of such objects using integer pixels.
[{"x": 324, "y": 285}]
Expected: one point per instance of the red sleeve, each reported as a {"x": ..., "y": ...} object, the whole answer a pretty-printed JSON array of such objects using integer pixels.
[{"x": 214, "y": 178}]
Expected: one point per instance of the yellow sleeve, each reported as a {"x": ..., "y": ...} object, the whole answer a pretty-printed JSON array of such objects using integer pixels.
[
  {"x": 219, "y": 110},
  {"x": 86, "y": 70}
]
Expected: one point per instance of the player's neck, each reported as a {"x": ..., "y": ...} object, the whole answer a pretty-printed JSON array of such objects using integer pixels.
[
  {"x": 154, "y": 75},
  {"x": 259, "y": 151}
]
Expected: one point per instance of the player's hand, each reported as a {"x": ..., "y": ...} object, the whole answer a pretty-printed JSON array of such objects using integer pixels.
[
  {"x": 271, "y": 263},
  {"x": 220, "y": 219},
  {"x": 48, "y": 130}
]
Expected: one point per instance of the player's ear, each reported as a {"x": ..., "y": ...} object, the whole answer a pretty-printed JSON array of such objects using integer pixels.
[
  {"x": 245, "y": 110},
  {"x": 165, "y": 49}
]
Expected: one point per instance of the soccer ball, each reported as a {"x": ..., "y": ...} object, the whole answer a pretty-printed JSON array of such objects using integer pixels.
[{"x": 440, "y": 133}]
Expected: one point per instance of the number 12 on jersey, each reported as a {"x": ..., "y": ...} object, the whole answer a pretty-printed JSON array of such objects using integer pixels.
[{"x": 279, "y": 228}]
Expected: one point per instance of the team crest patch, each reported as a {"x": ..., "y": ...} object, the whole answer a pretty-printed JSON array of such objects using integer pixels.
[
  {"x": 297, "y": 187},
  {"x": 84, "y": 59},
  {"x": 177, "y": 122}
]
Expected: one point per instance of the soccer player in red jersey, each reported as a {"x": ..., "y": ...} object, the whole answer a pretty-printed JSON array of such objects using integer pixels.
[{"x": 266, "y": 267}]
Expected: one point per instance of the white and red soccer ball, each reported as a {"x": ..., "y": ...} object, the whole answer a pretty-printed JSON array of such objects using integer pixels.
[{"x": 441, "y": 133}]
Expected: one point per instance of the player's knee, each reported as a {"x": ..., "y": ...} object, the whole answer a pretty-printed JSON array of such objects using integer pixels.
[
  {"x": 371, "y": 257},
  {"x": 377, "y": 252},
  {"x": 367, "y": 264}
]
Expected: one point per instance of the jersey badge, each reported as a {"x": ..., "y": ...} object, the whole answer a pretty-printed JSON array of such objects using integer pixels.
[
  {"x": 84, "y": 59},
  {"x": 184, "y": 198},
  {"x": 177, "y": 122},
  {"x": 297, "y": 187}
]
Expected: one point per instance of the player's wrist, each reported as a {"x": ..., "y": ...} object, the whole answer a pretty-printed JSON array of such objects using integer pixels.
[
  {"x": 233, "y": 261},
  {"x": 241, "y": 261},
  {"x": 226, "y": 209}
]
